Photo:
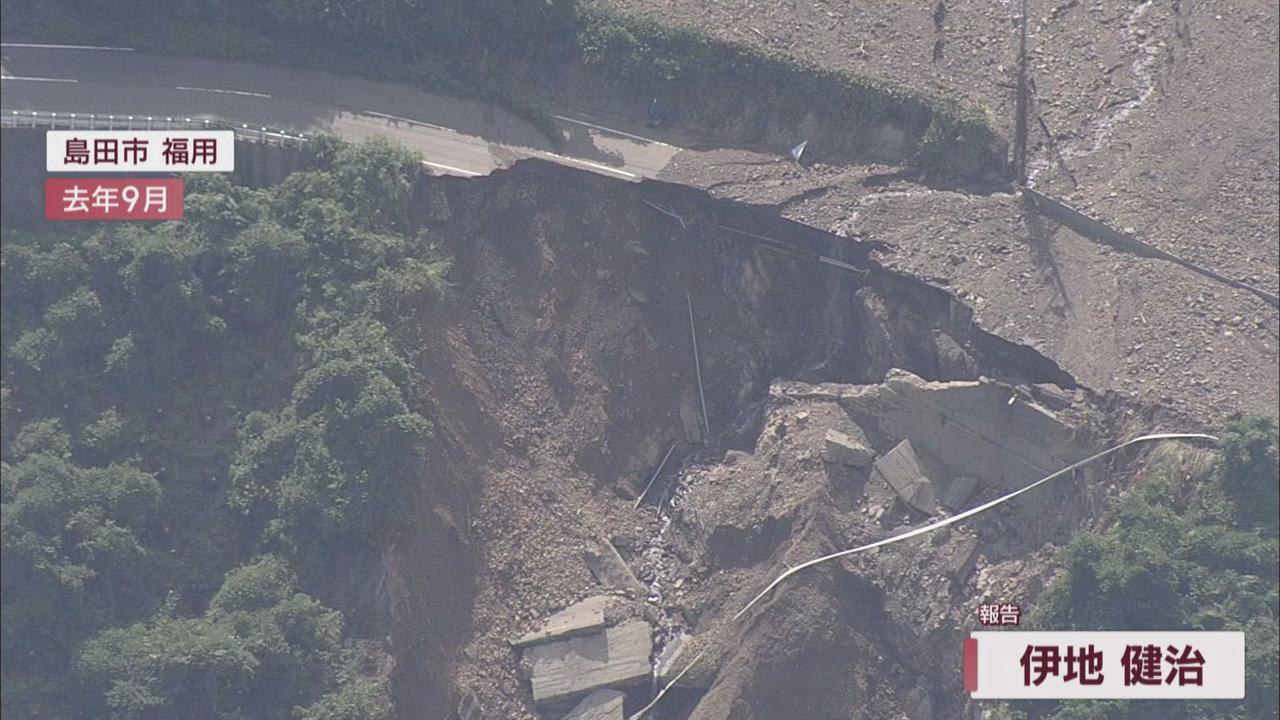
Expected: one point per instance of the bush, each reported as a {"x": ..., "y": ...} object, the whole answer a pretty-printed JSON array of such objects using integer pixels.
[
  {"x": 1197, "y": 555},
  {"x": 183, "y": 396}
]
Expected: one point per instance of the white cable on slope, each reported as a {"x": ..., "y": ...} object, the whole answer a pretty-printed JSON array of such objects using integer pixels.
[{"x": 920, "y": 531}]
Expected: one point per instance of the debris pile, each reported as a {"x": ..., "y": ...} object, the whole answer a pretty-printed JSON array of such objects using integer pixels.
[{"x": 578, "y": 665}]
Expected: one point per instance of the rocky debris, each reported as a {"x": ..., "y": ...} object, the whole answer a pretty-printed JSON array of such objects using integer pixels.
[
  {"x": 678, "y": 657},
  {"x": 901, "y": 469},
  {"x": 960, "y": 556},
  {"x": 577, "y": 619},
  {"x": 610, "y": 570},
  {"x": 958, "y": 491},
  {"x": 563, "y": 670},
  {"x": 953, "y": 361},
  {"x": 983, "y": 428},
  {"x": 735, "y": 457},
  {"x": 469, "y": 706},
  {"x": 844, "y": 450},
  {"x": 599, "y": 705}
]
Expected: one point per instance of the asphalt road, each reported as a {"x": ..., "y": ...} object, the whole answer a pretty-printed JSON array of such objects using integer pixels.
[{"x": 455, "y": 136}]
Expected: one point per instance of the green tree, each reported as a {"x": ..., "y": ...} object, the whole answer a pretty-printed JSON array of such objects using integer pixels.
[
  {"x": 180, "y": 397},
  {"x": 1197, "y": 555},
  {"x": 263, "y": 650},
  {"x": 74, "y": 557}
]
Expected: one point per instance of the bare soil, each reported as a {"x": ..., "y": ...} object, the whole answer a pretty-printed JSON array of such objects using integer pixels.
[
  {"x": 562, "y": 373},
  {"x": 1166, "y": 114}
]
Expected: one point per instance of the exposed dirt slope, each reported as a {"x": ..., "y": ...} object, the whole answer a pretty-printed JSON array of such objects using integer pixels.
[
  {"x": 1166, "y": 113},
  {"x": 563, "y": 372}
]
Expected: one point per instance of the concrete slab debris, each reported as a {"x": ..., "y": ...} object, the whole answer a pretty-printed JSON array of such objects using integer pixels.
[
  {"x": 958, "y": 492},
  {"x": 599, "y": 705},
  {"x": 901, "y": 469},
  {"x": 1054, "y": 397},
  {"x": 840, "y": 448},
  {"x": 617, "y": 657},
  {"x": 577, "y": 619},
  {"x": 610, "y": 570},
  {"x": 960, "y": 556},
  {"x": 973, "y": 426}
]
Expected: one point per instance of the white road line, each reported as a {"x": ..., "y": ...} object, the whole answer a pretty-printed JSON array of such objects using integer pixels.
[
  {"x": 40, "y": 46},
  {"x": 623, "y": 133},
  {"x": 220, "y": 91},
  {"x": 468, "y": 173},
  {"x": 38, "y": 79},
  {"x": 597, "y": 166},
  {"x": 411, "y": 121}
]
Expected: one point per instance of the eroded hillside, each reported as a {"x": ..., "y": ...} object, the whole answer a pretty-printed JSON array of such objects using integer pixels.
[{"x": 564, "y": 374}]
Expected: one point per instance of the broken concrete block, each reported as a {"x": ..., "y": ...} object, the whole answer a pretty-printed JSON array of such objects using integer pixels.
[
  {"x": 1053, "y": 396},
  {"x": 921, "y": 496},
  {"x": 960, "y": 557},
  {"x": 840, "y": 448},
  {"x": 900, "y": 468},
  {"x": 958, "y": 491},
  {"x": 577, "y": 619},
  {"x": 599, "y": 705},
  {"x": 610, "y": 570},
  {"x": 615, "y": 658},
  {"x": 973, "y": 426},
  {"x": 735, "y": 457}
]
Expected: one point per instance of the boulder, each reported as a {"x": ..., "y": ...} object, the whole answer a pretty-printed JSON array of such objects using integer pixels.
[
  {"x": 901, "y": 469},
  {"x": 842, "y": 449}
]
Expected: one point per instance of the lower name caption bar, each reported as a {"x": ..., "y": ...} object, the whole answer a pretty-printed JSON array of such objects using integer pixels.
[
  {"x": 113, "y": 198},
  {"x": 1174, "y": 665}
]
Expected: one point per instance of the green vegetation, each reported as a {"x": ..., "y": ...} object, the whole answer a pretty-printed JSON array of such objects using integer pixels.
[
  {"x": 492, "y": 49},
  {"x": 199, "y": 417},
  {"x": 1185, "y": 550}
]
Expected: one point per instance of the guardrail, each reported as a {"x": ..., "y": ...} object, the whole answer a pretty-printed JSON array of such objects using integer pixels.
[{"x": 106, "y": 121}]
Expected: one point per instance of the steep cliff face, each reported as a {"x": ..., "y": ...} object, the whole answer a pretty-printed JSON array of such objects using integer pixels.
[{"x": 564, "y": 371}]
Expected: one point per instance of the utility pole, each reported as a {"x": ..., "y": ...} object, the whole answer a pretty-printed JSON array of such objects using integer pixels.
[{"x": 1023, "y": 101}]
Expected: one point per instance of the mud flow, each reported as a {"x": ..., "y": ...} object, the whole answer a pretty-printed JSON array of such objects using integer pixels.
[{"x": 606, "y": 497}]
